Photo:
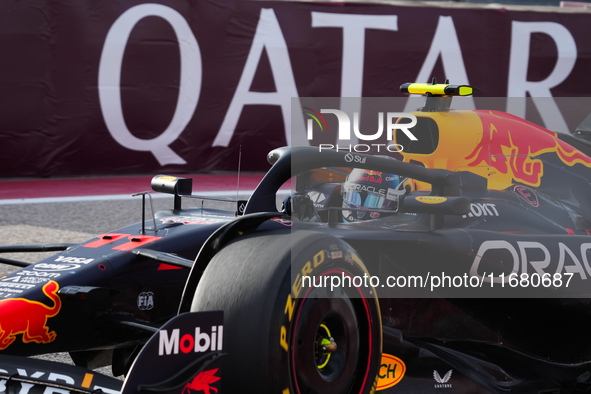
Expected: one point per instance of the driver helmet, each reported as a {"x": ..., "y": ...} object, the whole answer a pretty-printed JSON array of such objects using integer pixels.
[{"x": 368, "y": 191}]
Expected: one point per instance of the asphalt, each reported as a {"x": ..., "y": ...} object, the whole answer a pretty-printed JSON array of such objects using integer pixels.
[{"x": 15, "y": 189}]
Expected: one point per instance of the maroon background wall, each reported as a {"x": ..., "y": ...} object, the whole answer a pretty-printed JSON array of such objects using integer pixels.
[{"x": 102, "y": 87}]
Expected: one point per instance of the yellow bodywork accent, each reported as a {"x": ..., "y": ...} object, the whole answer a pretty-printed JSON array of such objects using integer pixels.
[
  {"x": 440, "y": 89},
  {"x": 466, "y": 90},
  {"x": 424, "y": 88}
]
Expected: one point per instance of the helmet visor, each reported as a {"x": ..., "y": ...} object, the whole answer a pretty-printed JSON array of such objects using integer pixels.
[{"x": 355, "y": 199}]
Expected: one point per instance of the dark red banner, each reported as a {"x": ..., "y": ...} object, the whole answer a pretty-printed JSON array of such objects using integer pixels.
[{"x": 96, "y": 87}]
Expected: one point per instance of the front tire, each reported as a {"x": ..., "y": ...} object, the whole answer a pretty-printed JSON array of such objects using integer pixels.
[{"x": 281, "y": 335}]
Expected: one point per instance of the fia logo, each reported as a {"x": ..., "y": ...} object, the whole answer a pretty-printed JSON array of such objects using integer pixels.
[
  {"x": 442, "y": 382},
  {"x": 145, "y": 301}
]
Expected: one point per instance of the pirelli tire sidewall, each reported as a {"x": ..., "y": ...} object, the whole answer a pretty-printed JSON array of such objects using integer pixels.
[
  {"x": 271, "y": 323},
  {"x": 320, "y": 256}
]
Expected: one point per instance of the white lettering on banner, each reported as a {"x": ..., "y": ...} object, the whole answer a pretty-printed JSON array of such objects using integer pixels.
[
  {"x": 110, "y": 78},
  {"x": 268, "y": 36},
  {"x": 519, "y": 86},
  {"x": 446, "y": 45},
  {"x": 354, "y": 27}
]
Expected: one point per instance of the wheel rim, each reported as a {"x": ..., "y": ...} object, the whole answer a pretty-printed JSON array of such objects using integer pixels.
[
  {"x": 346, "y": 321},
  {"x": 325, "y": 346}
]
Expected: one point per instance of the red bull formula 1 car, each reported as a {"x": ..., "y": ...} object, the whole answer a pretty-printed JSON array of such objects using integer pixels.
[{"x": 462, "y": 267}]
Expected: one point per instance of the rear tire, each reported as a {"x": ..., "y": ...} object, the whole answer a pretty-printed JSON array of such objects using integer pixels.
[{"x": 277, "y": 332}]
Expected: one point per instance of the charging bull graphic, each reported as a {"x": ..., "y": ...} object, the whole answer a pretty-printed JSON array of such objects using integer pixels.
[
  {"x": 510, "y": 145},
  {"x": 29, "y": 318},
  {"x": 498, "y": 146}
]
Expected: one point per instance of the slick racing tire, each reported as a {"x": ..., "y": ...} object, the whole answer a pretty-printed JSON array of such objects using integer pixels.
[{"x": 281, "y": 336}]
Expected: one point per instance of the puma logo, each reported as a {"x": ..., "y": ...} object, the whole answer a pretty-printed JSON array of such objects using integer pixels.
[{"x": 29, "y": 318}]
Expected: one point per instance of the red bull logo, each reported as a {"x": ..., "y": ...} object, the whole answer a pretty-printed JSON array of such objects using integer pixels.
[
  {"x": 28, "y": 318},
  {"x": 371, "y": 176},
  {"x": 202, "y": 382},
  {"x": 510, "y": 145}
]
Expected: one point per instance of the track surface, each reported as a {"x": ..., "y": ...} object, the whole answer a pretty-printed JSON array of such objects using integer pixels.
[
  {"x": 15, "y": 190},
  {"x": 75, "y": 210}
]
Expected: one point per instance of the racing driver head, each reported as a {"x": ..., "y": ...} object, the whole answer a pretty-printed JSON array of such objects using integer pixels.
[{"x": 367, "y": 191}]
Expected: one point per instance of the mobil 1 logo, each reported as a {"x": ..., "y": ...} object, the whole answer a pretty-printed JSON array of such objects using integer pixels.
[{"x": 195, "y": 338}]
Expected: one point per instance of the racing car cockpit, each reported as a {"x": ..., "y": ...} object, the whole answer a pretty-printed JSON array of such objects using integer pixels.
[{"x": 368, "y": 193}]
